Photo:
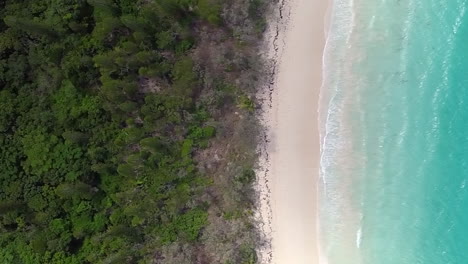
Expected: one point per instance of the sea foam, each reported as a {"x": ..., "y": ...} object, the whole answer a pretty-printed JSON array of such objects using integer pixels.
[{"x": 393, "y": 115}]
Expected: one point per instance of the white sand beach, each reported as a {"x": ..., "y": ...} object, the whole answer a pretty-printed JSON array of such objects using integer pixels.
[{"x": 292, "y": 123}]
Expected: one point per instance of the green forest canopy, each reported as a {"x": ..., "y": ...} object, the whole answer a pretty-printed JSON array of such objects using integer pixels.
[{"x": 98, "y": 122}]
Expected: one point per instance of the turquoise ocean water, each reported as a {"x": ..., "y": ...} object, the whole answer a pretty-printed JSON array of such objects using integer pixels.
[{"x": 394, "y": 118}]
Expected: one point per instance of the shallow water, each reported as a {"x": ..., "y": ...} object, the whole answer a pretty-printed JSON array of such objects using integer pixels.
[{"x": 394, "y": 116}]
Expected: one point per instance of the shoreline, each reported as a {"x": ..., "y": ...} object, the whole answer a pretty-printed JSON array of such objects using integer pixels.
[{"x": 290, "y": 152}]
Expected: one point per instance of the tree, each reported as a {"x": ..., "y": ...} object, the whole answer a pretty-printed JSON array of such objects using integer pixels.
[
  {"x": 75, "y": 137},
  {"x": 210, "y": 10},
  {"x": 185, "y": 79},
  {"x": 7, "y": 110},
  {"x": 106, "y": 6},
  {"x": 75, "y": 190},
  {"x": 32, "y": 27}
]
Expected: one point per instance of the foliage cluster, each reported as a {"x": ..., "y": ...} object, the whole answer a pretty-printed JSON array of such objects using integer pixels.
[{"x": 100, "y": 120}]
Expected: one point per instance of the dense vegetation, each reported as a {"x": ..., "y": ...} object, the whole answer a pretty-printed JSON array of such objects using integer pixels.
[{"x": 124, "y": 131}]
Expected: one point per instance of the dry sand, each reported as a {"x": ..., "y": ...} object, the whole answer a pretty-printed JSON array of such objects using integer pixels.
[{"x": 293, "y": 146}]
